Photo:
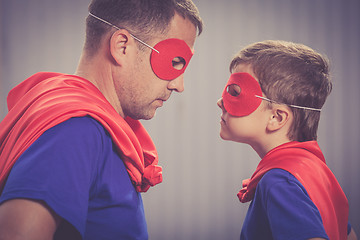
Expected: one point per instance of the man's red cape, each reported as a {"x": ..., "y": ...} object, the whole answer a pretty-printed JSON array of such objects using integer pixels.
[
  {"x": 306, "y": 162},
  {"x": 47, "y": 99}
]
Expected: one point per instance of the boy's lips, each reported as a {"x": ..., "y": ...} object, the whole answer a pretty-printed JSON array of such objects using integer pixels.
[{"x": 222, "y": 119}]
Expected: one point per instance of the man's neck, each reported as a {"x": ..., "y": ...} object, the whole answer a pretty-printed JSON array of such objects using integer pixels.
[{"x": 99, "y": 73}]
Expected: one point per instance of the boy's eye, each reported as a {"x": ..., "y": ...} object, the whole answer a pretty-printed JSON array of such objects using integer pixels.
[
  {"x": 234, "y": 90},
  {"x": 178, "y": 63}
]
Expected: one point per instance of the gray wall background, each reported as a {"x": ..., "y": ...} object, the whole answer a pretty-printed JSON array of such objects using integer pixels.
[{"x": 202, "y": 173}]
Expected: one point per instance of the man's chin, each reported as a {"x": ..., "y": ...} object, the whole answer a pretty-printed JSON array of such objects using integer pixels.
[{"x": 145, "y": 116}]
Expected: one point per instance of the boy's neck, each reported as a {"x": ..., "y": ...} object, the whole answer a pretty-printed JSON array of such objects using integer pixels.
[{"x": 263, "y": 148}]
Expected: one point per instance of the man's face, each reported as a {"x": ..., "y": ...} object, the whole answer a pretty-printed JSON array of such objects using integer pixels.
[{"x": 144, "y": 91}]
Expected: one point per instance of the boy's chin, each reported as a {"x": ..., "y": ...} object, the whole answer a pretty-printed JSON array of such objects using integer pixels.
[{"x": 225, "y": 136}]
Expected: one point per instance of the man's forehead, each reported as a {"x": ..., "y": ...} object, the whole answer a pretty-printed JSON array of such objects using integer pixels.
[{"x": 182, "y": 28}]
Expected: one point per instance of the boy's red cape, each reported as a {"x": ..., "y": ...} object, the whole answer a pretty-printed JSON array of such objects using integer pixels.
[
  {"x": 306, "y": 162},
  {"x": 47, "y": 99}
]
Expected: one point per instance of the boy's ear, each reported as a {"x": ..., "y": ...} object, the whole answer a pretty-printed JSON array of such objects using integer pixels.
[
  {"x": 120, "y": 44},
  {"x": 279, "y": 117}
]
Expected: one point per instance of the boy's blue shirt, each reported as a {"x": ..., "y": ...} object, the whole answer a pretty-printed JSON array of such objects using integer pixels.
[
  {"x": 282, "y": 209},
  {"x": 305, "y": 161},
  {"x": 75, "y": 169}
]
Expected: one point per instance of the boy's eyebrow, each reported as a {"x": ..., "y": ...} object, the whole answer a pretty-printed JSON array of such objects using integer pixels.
[{"x": 290, "y": 105}]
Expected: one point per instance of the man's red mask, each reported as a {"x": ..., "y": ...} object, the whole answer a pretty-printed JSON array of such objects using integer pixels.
[{"x": 171, "y": 58}]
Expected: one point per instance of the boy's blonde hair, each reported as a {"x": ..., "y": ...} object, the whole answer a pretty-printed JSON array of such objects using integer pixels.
[{"x": 292, "y": 74}]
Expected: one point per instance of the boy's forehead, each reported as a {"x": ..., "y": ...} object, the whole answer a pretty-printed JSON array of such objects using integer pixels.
[{"x": 244, "y": 68}]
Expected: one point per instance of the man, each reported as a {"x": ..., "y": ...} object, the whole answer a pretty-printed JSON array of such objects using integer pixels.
[{"x": 73, "y": 155}]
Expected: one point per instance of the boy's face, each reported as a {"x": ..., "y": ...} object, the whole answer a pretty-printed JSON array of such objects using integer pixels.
[{"x": 249, "y": 115}]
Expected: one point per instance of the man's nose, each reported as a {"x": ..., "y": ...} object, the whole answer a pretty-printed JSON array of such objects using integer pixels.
[{"x": 177, "y": 84}]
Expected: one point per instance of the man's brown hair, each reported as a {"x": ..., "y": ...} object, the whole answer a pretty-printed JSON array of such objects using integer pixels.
[{"x": 142, "y": 18}]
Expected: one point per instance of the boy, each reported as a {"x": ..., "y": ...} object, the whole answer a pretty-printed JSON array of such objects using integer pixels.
[{"x": 272, "y": 102}]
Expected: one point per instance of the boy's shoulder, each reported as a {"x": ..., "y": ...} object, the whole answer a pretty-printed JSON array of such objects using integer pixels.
[
  {"x": 277, "y": 175},
  {"x": 279, "y": 178},
  {"x": 281, "y": 199}
]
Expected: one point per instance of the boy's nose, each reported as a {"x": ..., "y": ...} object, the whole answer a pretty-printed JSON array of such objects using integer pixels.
[{"x": 220, "y": 103}]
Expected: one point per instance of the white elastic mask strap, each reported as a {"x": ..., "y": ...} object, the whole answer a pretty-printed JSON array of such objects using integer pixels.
[
  {"x": 290, "y": 105},
  {"x": 137, "y": 39}
]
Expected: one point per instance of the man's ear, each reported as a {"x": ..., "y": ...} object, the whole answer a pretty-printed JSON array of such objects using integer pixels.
[
  {"x": 120, "y": 44},
  {"x": 280, "y": 116}
]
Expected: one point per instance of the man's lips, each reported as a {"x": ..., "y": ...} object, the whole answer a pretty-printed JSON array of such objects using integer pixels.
[
  {"x": 164, "y": 98},
  {"x": 160, "y": 102}
]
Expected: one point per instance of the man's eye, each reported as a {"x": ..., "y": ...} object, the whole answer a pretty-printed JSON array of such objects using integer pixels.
[
  {"x": 234, "y": 90},
  {"x": 178, "y": 63}
]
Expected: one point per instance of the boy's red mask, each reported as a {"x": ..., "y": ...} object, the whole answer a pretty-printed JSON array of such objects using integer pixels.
[
  {"x": 168, "y": 50},
  {"x": 242, "y": 101}
]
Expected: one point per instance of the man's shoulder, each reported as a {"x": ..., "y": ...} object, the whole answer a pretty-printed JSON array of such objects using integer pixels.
[
  {"x": 81, "y": 123},
  {"x": 85, "y": 124},
  {"x": 79, "y": 131}
]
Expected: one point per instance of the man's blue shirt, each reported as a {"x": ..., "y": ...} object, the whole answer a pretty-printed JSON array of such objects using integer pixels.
[{"x": 75, "y": 169}]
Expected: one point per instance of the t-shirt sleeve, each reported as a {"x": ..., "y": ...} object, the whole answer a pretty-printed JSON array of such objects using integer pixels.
[
  {"x": 58, "y": 168},
  {"x": 290, "y": 211}
]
